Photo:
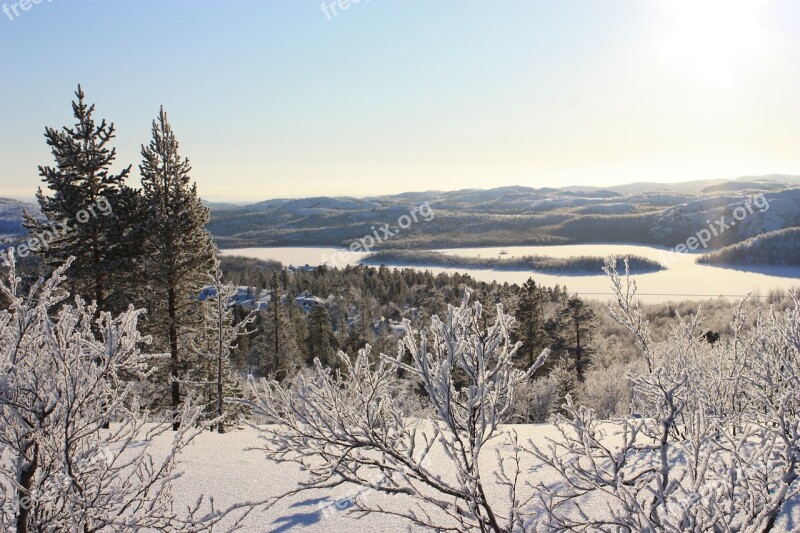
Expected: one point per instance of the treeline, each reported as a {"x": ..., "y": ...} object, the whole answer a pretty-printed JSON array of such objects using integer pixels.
[
  {"x": 365, "y": 305},
  {"x": 585, "y": 265}
]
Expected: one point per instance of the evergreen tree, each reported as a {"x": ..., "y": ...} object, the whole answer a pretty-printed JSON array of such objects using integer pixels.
[
  {"x": 89, "y": 214},
  {"x": 179, "y": 251},
  {"x": 321, "y": 341},
  {"x": 299, "y": 323},
  {"x": 564, "y": 380},
  {"x": 353, "y": 342},
  {"x": 281, "y": 355},
  {"x": 214, "y": 344},
  {"x": 579, "y": 319},
  {"x": 529, "y": 315},
  {"x": 275, "y": 317}
]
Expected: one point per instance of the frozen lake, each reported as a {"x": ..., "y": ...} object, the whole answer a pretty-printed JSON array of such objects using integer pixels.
[{"x": 683, "y": 278}]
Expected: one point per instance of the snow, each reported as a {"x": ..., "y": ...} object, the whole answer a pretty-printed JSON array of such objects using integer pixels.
[{"x": 228, "y": 469}]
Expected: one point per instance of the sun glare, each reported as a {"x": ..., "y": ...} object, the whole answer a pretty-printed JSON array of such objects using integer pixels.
[{"x": 713, "y": 42}]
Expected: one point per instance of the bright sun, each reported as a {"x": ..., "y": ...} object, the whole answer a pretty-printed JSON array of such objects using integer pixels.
[{"x": 712, "y": 41}]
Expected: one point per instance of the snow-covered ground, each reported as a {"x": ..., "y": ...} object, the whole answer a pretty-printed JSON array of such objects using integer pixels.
[{"x": 224, "y": 466}]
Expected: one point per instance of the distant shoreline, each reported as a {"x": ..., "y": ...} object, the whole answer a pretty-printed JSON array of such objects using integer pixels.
[{"x": 578, "y": 265}]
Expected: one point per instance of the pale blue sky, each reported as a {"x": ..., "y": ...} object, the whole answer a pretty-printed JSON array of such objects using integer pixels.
[{"x": 272, "y": 98}]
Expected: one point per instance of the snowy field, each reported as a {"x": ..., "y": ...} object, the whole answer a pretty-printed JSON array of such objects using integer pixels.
[{"x": 224, "y": 467}]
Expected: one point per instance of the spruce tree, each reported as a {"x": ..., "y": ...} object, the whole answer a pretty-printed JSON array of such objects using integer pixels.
[
  {"x": 179, "y": 251},
  {"x": 321, "y": 341},
  {"x": 529, "y": 315},
  {"x": 89, "y": 211}
]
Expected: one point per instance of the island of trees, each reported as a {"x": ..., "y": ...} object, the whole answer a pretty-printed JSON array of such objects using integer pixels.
[{"x": 579, "y": 265}]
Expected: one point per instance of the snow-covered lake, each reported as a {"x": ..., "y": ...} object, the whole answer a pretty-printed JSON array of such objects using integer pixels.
[{"x": 683, "y": 278}]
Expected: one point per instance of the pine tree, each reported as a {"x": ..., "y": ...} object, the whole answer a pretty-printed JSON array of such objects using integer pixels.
[
  {"x": 529, "y": 314},
  {"x": 321, "y": 341},
  {"x": 579, "y": 319},
  {"x": 89, "y": 215},
  {"x": 564, "y": 379},
  {"x": 214, "y": 344},
  {"x": 179, "y": 251},
  {"x": 353, "y": 342}
]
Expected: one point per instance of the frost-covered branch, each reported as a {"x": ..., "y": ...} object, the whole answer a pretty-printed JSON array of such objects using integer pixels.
[
  {"x": 715, "y": 449},
  {"x": 348, "y": 426},
  {"x": 78, "y": 453}
]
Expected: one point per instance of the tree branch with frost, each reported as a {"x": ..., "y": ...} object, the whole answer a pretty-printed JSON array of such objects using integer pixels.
[
  {"x": 700, "y": 459},
  {"x": 347, "y": 426},
  {"x": 78, "y": 453}
]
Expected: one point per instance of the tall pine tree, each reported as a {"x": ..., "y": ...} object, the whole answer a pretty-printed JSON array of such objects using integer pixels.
[
  {"x": 579, "y": 321},
  {"x": 179, "y": 251},
  {"x": 89, "y": 213},
  {"x": 529, "y": 315}
]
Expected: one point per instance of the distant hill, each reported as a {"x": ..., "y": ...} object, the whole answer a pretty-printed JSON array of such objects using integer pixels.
[
  {"x": 11, "y": 217},
  {"x": 766, "y": 182},
  {"x": 220, "y": 205},
  {"x": 787, "y": 179},
  {"x": 505, "y": 216},
  {"x": 646, "y": 213},
  {"x": 771, "y": 182},
  {"x": 780, "y": 247},
  {"x": 744, "y": 186},
  {"x": 780, "y": 210},
  {"x": 649, "y": 186}
]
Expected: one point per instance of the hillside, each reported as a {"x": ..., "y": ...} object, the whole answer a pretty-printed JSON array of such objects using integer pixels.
[
  {"x": 780, "y": 247},
  {"x": 11, "y": 217},
  {"x": 645, "y": 213},
  {"x": 771, "y": 212},
  {"x": 511, "y": 216}
]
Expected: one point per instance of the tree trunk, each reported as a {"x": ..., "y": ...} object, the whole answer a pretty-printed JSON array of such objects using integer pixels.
[
  {"x": 23, "y": 493},
  {"x": 275, "y": 321},
  {"x": 578, "y": 354},
  {"x": 220, "y": 424},
  {"x": 174, "y": 357}
]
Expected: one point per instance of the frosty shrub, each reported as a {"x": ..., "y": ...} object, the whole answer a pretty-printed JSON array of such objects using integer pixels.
[
  {"x": 345, "y": 425},
  {"x": 77, "y": 453},
  {"x": 534, "y": 401},
  {"x": 716, "y": 448},
  {"x": 606, "y": 391}
]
